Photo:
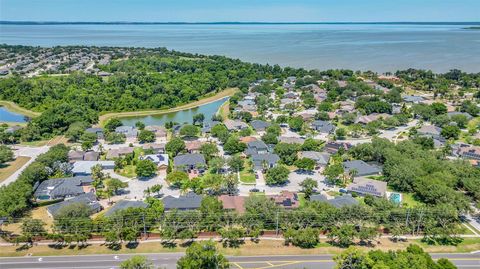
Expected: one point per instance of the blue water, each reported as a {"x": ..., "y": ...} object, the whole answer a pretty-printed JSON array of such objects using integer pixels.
[
  {"x": 8, "y": 116},
  {"x": 374, "y": 47},
  {"x": 183, "y": 116}
]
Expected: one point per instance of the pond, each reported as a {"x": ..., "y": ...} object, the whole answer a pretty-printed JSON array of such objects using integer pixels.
[
  {"x": 8, "y": 116},
  {"x": 183, "y": 116}
]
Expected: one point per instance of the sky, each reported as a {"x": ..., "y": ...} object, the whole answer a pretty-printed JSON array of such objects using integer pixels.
[{"x": 240, "y": 10}]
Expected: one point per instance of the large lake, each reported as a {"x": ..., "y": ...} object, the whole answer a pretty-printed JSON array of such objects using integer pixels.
[
  {"x": 183, "y": 116},
  {"x": 8, "y": 116},
  {"x": 377, "y": 47}
]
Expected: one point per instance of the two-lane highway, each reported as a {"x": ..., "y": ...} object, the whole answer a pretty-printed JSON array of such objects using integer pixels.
[{"x": 169, "y": 260}]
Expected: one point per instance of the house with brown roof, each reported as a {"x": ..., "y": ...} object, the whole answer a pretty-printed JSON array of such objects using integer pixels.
[
  {"x": 116, "y": 153},
  {"x": 286, "y": 199},
  {"x": 193, "y": 146},
  {"x": 234, "y": 203}
]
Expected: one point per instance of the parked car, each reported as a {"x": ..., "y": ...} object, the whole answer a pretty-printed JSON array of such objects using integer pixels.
[
  {"x": 254, "y": 190},
  {"x": 343, "y": 190}
]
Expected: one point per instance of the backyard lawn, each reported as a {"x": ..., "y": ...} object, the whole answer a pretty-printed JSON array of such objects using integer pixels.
[
  {"x": 128, "y": 171},
  {"x": 247, "y": 175}
]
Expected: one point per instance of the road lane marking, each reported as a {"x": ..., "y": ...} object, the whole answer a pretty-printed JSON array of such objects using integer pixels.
[{"x": 236, "y": 264}]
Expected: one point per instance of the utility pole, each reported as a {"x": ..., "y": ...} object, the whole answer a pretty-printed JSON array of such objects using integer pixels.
[
  {"x": 276, "y": 230},
  {"x": 144, "y": 227}
]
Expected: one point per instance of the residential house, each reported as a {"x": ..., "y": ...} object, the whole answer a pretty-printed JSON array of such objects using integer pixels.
[
  {"x": 124, "y": 204},
  {"x": 84, "y": 168},
  {"x": 413, "y": 99},
  {"x": 157, "y": 148},
  {"x": 129, "y": 132},
  {"x": 161, "y": 160},
  {"x": 120, "y": 152},
  {"x": 207, "y": 126},
  {"x": 193, "y": 146},
  {"x": 286, "y": 199},
  {"x": 160, "y": 131},
  {"x": 471, "y": 152},
  {"x": 256, "y": 147},
  {"x": 87, "y": 199},
  {"x": 338, "y": 201},
  {"x": 291, "y": 140},
  {"x": 321, "y": 158},
  {"x": 233, "y": 203},
  {"x": 372, "y": 117},
  {"x": 367, "y": 186},
  {"x": 79, "y": 155},
  {"x": 468, "y": 116},
  {"x": 61, "y": 188},
  {"x": 98, "y": 131},
  {"x": 190, "y": 162},
  {"x": 190, "y": 201},
  {"x": 361, "y": 168},
  {"x": 323, "y": 127},
  {"x": 259, "y": 125},
  {"x": 235, "y": 125},
  {"x": 264, "y": 161},
  {"x": 430, "y": 130}
]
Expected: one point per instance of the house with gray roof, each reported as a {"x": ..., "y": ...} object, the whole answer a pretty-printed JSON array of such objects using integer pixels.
[
  {"x": 321, "y": 158},
  {"x": 161, "y": 160},
  {"x": 259, "y": 125},
  {"x": 235, "y": 125},
  {"x": 338, "y": 201},
  {"x": 79, "y": 155},
  {"x": 413, "y": 99},
  {"x": 366, "y": 186},
  {"x": 430, "y": 130},
  {"x": 323, "y": 127},
  {"x": 190, "y": 201},
  {"x": 291, "y": 140},
  {"x": 88, "y": 199},
  {"x": 362, "y": 168},
  {"x": 256, "y": 147},
  {"x": 468, "y": 116},
  {"x": 264, "y": 161},
  {"x": 61, "y": 188},
  {"x": 98, "y": 131},
  {"x": 84, "y": 168},
  {"x": 124, "y": 204},
  {"x": 128, "y": 131},
  {"x": 187, "y": 162}
]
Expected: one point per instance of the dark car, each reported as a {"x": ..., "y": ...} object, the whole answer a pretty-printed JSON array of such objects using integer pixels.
[{"x": 254, "y": 190}]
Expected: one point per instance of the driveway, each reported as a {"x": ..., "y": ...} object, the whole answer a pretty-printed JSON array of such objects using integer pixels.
[{"x": 136, "y": 187}]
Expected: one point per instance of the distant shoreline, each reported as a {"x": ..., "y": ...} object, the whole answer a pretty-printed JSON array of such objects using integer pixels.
[
  {"x": 228, "y": 23},
  {"x": 471, "y": 28}
]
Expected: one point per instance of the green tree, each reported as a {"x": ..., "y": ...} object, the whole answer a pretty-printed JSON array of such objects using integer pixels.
[
  {"x": 221, "y": 132},
  {"x": 450, "y": 132},
  {"x": 209, "y": 150},
  {"x": 115, "y": 184},
  {"x": 175, "y": 146},
  {"x": 156, "y": 188},
  {"x": 233, "y": 145},
  {"x": 73, "y": 223},
  {"x": 140, "y": 125},
  {"x": 340, "y": 133},
  {"x": 287, "y": 152},
  {"x": 308, "y": 186},
  {"x": 343, "y": 236},
  {"x": 198, "y": 119},
  {"x": 6, "y": 154},
  {"x": 177, "y": 178},
  {"x": 295, "y": 123},
  {"x": 146, "y": 136},
  {"x": 145, "y": 168},
  {"x": 305, "y": 164},
  {"x": 203, "y": 255},
  {"x": 277, "y": 175},
  {"x": 112, "y": 124},
  {"x": 32, "y": 228},
  {"x": 189, "y": 131},
  {"x": 236, "y": 163}
]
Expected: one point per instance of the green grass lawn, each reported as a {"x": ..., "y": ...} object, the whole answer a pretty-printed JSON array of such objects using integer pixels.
[
  {"x": 11, "y": 167},
  {"x": 247, "y": 175},
  {"x": 409, "y": 201},
  {"x": 128, "y": 171}
]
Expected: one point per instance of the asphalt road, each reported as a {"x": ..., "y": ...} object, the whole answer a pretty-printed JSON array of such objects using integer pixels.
[{"x": 168, "y": 260}]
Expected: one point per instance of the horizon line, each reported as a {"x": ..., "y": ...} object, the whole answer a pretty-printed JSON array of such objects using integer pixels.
[{"x": 22, "y": 22}]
